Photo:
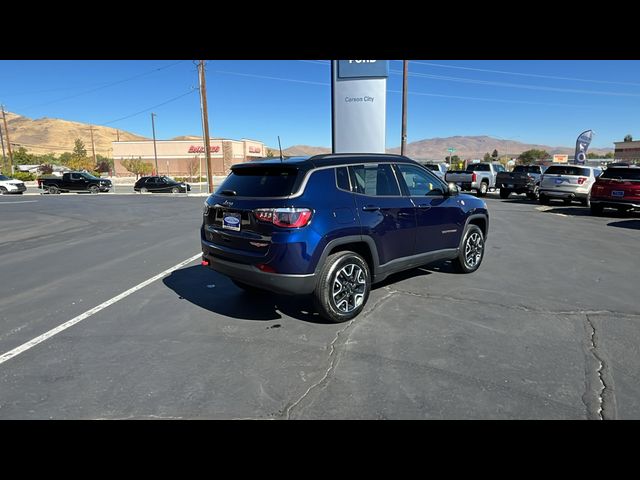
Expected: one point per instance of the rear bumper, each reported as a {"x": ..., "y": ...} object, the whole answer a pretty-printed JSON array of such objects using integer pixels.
[
  {"x": 563, "y": 194},
  {"x": 288, "y": 284}
]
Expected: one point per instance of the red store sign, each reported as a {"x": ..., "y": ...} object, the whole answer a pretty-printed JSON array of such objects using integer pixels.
[
  {"x": 253, "y": 149},
  {"x": 200, "y": 149}
]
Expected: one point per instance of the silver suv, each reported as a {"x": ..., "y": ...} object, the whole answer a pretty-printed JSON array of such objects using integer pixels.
[{"x": 568, "y": 183}]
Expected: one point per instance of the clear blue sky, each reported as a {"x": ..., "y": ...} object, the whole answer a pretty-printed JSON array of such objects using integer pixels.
[{"x": 548, "y": 102}]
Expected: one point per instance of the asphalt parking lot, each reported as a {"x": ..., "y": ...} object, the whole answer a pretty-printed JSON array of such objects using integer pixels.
[{"x": 548, "y": 328}]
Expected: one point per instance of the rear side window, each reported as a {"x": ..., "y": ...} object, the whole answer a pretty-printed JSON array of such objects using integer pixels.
[
  {"x": 342, "y": 179},
  {"x": 622, "y": 173},
  {"x": 262, "y": 181},
  {"x": 568, "y": 170},
  {"x": 374, "y": 180}
]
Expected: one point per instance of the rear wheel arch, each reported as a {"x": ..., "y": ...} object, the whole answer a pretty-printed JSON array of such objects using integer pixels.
[{"x": 362, "y": 245}]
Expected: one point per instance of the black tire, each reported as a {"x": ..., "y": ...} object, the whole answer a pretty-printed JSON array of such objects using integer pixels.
[
  {"x": 94, "y": 189},
  {"x": 504, "y": 193},
  {"x": 53, "y": 190},
  {"x": 596, "y": 209},
  {"x": 621, "y": 210},
  {"x": 587, "y": 201},
  {"x": 484, "y": 187},
  {"x": 144, "y": 190},
  {"x": 533, "y": 195},
  {"x": 471, "y": 250},
  {"x": 248, "y": 288},
  {"x": 3, "y": 191},
  {"x": 350, "y": 272},
  {"x": 175, "y": 190},
  {"x": 543, "y": 199}
]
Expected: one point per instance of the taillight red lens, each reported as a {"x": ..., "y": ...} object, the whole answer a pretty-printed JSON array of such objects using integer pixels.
[
  {"x": 581, "y": 180},
  {"x": 266, "y": 268},
  {"x": 284, "y": 217},
  {"x": 473, "y": 177}
]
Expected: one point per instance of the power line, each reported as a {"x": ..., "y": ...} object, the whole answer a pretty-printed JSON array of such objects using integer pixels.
[
  {"x": 193, "y": 89},
  {"x": 504, "y": 72},
  {"x": 515, "y": 85},
  {"x": 149, "y": 72}
]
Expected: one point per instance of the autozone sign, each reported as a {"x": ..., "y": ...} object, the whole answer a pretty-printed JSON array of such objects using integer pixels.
[
  {"x": 200, "y": 149},
  {"x": 253, "y": 149}
]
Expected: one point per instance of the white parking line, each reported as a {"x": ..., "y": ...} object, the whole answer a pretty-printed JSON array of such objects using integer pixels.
[
  {"x": 32, "y": 343},
  {"x": 20, "y": 201}
]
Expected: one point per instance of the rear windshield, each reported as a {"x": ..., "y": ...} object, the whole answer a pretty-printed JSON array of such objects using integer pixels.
[
  {"x": 478, "y": 167},
  {"x": 568, "y": 170},
  {"x": 527, "y": 168},
  {"x": 622, "y": 173},
  {"x": 267, "y": 181}
]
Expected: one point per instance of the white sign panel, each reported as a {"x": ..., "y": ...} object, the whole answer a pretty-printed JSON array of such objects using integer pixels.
[{"x": 359, "y": 108}]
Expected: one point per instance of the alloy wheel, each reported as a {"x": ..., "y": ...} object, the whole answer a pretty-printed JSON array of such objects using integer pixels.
[
  {"x": 349, "y": 288},
  {"x": 473, "y": 249}
]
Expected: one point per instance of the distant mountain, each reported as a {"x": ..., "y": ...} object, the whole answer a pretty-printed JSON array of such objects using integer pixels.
[
  {"x": 53, "y": 135},
  {"x": 465, "y": 147}
]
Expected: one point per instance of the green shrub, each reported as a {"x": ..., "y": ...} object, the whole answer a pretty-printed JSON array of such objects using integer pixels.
[{"x": 24, "y": 176}]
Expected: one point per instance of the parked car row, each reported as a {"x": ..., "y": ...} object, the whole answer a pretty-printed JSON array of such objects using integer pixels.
[{"x": 85, "y": 182}]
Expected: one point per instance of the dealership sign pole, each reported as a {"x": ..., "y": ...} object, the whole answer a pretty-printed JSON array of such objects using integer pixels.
[
  {"x": 582, "y": 145},
  {"x": 358, "y": 105}
]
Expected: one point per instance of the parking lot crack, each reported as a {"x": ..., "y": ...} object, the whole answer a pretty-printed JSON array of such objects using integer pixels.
[
  {"x": 334, "y": 354},
  {"x": 597, "y": 389}
]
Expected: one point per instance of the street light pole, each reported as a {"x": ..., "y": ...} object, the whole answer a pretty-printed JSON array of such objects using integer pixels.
[
  {"x": 205, "y": 124},
  {"x": 155, "y": 152},
  {"x": 404, "y": 106}
]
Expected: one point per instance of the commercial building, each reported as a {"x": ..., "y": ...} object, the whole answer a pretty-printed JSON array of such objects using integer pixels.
[
  {"x": 182, "y": 158},
  {"x": 627, "y": 151}
]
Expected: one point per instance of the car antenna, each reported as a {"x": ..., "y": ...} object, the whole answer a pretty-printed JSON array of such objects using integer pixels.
[{"x": 279, "y": 145}]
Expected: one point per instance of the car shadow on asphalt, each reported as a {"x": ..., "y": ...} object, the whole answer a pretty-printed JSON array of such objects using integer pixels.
[
  {"x": 632, "y": 224},
  {"x": 216, "y": 293},
  {"x": 523, "y": 200}
]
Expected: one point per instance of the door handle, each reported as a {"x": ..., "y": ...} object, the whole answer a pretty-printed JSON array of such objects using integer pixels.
[
  {"x": 371, "y": 208},
  {"x": 424, "y": 206},
  {"x": 404, "y": 214}
]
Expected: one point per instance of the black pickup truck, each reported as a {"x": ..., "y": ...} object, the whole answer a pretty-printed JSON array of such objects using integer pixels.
[
  {"x": 523, "y": 179},
  {"x": 75, "y": 182}
]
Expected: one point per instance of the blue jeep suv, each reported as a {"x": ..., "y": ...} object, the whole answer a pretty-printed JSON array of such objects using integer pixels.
[{"x": 333, "y": 225}]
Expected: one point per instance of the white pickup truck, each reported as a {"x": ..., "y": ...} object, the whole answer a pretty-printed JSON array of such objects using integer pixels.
[{"x": 480, "y": 177}]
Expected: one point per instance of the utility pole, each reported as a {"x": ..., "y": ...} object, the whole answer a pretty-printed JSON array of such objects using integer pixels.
[
  {"x": 155, "y": 152},
  {"x": 405, "y": 71},
  {"x": 3, "y": 155},
  {"x": 205, "y": 123},
  {"x": 93, "y": 146},
  {"x": 6, "y": 129},
  {"x": 118, "y": 135}
]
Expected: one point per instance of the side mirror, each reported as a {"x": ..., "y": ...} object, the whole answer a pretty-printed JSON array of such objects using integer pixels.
[{"x": 453, "y": 189}]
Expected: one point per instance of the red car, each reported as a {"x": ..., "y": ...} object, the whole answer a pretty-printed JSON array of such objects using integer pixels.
[{"x": 617, "y": 187}]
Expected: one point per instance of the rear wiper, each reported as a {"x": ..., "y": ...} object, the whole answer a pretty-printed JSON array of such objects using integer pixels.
[{"x": 231, "y": 193}]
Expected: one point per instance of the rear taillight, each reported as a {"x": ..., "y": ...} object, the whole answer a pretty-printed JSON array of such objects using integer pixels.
[
  {"x": 581, "y": 180},
  {"x": 284, "y": 217},
  {"x": 473, "y": 177}
]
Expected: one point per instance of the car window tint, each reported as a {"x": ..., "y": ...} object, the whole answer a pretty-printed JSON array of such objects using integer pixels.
[
  {"x": 567, "y": 170},
  {"x": 622, "y": 173},
  {"x": 342, "y": 178},
  {"x": 375, "y": 180},
  {"x": 261, "y": 181},
  {"x": 419, "y": 182}
]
